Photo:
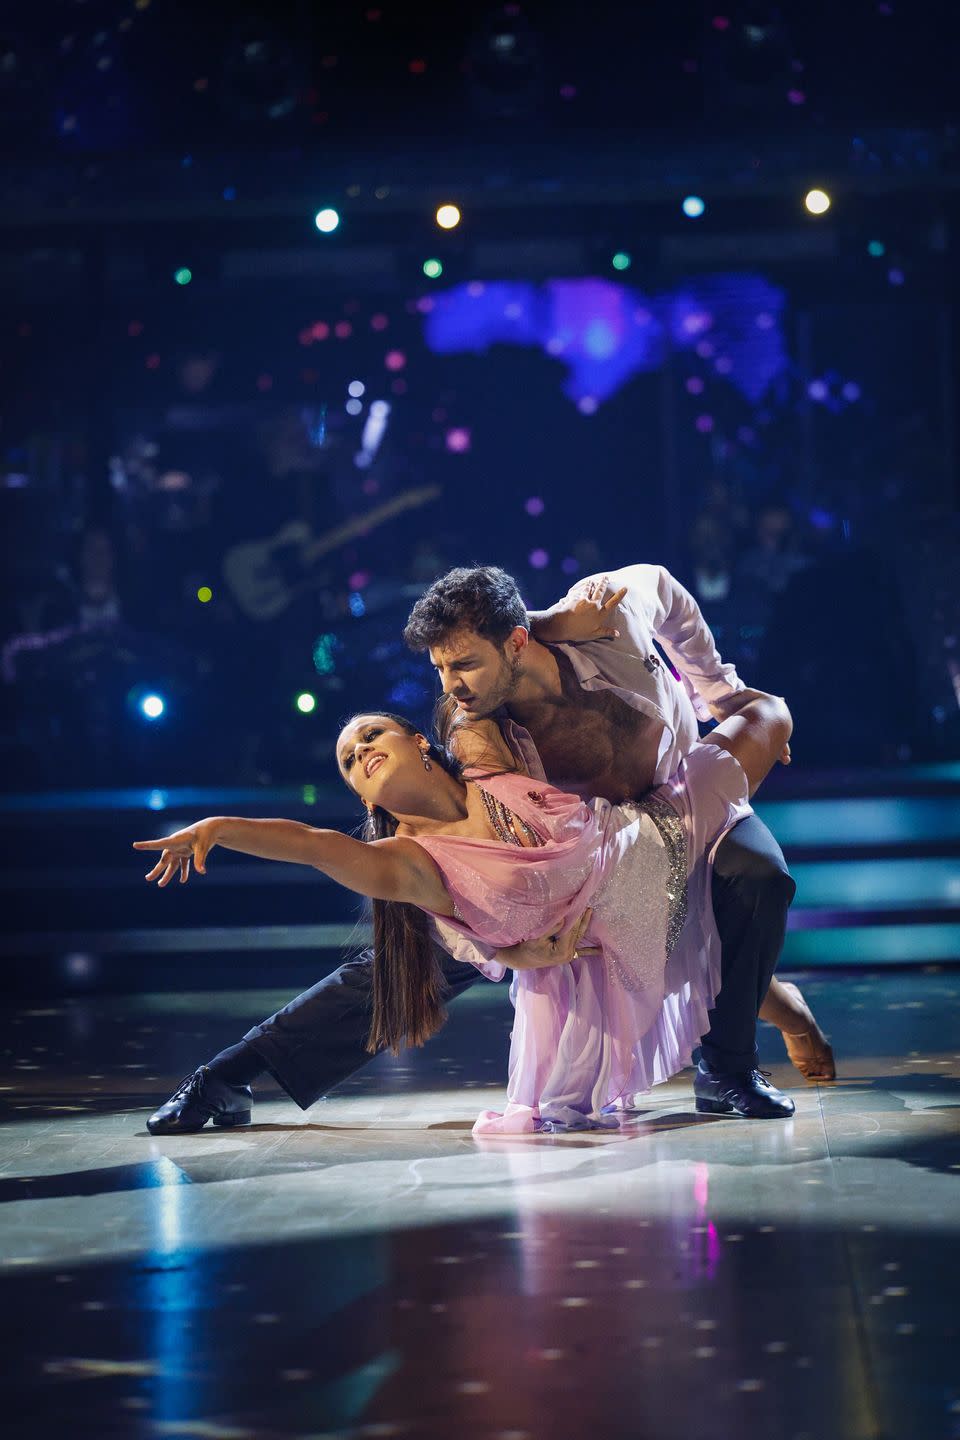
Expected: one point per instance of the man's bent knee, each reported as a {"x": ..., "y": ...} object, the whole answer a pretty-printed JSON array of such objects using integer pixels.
[{"x": 747, "y": 870}]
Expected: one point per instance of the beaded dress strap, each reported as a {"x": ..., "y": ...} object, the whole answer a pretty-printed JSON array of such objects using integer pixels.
[{"x": 507, "y": 825}]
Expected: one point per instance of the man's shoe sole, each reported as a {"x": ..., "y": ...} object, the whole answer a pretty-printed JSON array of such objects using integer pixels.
[
  {"x": 222, "y": 1122},
  {"x": 237, "y": 1117},
  {"x": 723, "y": 1107}
]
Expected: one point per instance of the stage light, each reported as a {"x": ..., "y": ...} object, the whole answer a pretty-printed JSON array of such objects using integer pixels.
[
  {"x": 326, "y": 220},
  {"x": 355, "y": 389},
  {"x": 306, "y": 702},
  {"x": 323, "y": 654},
  {"x": 448, "y": 217},
  {"x": 152, "y": 707},
  {"x": 876, "y": 248},
  {"x": 183, "y": 276},
  {"x": 354, "y": 407},
  {"x": 458, "y": 440},
  {"x": 817, "y": 202},
  {"x": 432, "y": 269},
  {"x": 204, "y": 594},
  {"x": 621, "y": 261},
  {"x": 693, "y": 207}
]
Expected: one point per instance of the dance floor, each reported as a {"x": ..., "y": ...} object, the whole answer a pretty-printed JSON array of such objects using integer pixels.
[{"x": 368, "y": 1269}]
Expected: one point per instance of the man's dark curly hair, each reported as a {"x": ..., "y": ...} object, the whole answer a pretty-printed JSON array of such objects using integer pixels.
[{"x": 482, "y": 598}]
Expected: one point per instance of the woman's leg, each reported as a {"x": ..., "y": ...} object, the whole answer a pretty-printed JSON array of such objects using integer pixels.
[
  {"x": 756, "y": 734},
  {"x": 807, "y": 1046}
]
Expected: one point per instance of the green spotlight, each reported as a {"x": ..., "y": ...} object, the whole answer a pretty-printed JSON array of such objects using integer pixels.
[
  {"x": 306, "y": 702},
  {"x": 183, "y": 276},
  {"x": 621, "y": 261},
  {"x": 432, "y": 269}
]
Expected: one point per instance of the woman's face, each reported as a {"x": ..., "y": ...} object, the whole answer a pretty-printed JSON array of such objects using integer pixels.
[{"x": 380, "y": 761}]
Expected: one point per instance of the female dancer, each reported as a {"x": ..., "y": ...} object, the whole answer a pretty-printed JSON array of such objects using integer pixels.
[{"x": 504, "y": 859}]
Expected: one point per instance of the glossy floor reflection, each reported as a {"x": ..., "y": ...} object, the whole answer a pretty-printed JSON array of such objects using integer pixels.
[{"x": 368, "y": 1269}]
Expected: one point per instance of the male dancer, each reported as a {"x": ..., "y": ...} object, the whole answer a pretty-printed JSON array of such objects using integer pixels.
[{"x": 605, "y": 717}]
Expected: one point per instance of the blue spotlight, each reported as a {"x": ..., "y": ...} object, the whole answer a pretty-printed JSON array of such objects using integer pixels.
[
  {"x": 693, "y": 207},
  {"x": 152, "y": 706}
]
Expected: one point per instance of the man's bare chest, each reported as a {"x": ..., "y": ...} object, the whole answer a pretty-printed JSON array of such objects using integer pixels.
[{"x": 596, "y": 742}]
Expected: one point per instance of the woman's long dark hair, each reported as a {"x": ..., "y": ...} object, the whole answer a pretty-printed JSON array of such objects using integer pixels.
[{"x": 408, "y": 983}]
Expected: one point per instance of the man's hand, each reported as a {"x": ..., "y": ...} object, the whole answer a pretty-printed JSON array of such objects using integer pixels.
[
  {"x": 554, "y": 948},
  {"x": 730, "y": 704},
  {"x": 588, "y": 618}
]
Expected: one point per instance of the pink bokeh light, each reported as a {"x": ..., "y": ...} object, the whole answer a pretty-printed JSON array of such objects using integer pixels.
[{"x": 458, "y": 440}]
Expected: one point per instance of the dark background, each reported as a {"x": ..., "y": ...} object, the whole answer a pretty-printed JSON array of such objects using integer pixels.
[{"x": 762, "y": 399}]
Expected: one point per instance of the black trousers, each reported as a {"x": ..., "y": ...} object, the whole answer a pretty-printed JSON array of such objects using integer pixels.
[{"x": 319, "y": 1038}]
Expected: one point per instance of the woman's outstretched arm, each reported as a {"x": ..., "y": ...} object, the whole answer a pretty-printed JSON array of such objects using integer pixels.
[
  {"x": 390, "y": 869},
  {"x": 756, "y": 734}
]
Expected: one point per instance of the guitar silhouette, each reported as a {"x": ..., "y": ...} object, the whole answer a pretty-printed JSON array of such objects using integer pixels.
[{"x": 253, "y": 570}]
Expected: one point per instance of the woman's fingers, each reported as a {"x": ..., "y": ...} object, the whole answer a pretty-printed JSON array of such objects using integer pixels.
[
  {"x": 177, "y": 852},
  {"x": 582, "y": 924},
  {"x": 609, "y": 630},
  {"x": 169, "y": 865}
]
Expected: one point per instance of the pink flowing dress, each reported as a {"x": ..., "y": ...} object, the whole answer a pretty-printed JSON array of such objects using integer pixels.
[{"x": 589, "y": 1035}]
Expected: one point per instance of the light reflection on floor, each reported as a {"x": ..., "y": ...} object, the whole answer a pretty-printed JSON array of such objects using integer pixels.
[{"x": 368, "y": 1269}]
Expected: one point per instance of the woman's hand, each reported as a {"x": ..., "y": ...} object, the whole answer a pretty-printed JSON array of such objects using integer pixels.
[
  {"x": 554, "y": 948},
  {"x": 573, "y": 621},
  {"x": 177, "y": 850}
]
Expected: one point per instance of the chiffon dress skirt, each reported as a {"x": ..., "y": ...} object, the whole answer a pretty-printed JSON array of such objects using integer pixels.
[{"x": 589, "y": 1035}]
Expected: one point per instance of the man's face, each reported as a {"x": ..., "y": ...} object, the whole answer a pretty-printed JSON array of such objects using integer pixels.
[{"x": 479, "y": 675}]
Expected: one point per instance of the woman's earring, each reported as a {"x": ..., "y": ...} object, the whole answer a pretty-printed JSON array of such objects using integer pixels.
[{"x": 426, "y": 760}]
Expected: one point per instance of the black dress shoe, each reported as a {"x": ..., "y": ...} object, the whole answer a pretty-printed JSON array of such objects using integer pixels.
[
  {"x": 748, "y": 1093},
  {"x": 198, "y": 1098}
]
